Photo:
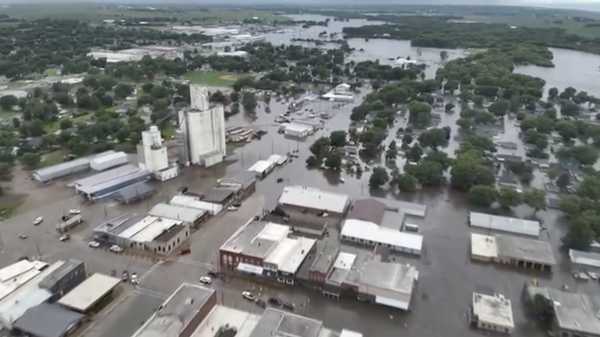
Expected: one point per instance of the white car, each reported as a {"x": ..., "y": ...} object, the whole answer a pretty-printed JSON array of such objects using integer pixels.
[
  {"x": 38, "y": 220},
  {"x": 94, "y": 244},
  {"x": 232, "y": 208},
  {"x": 249, "y": 296},
  {"x": 74, "y": 211},
  {"x": 205, "y": 280},
  {"x": 65, "y": 237},
  {"x": 116, "y": 249}
]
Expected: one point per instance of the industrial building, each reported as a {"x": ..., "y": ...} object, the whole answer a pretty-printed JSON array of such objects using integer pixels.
[
  {"x": 372, "y": 235},
  {"x": 341, "y": 93},
  {"x": 152, "y": 155},
  {"x": 219, "y": 195},
  {"x": 48, "y": 320},
  {"x": 312, "y": 210},
  {"x": 298, "y": 130},
  {"x": 512, "y": 250},
  {"x": 202, "y": 130},
  {"x": 67, "y": 168},
  {"x": 243, "y": 183},
  {"x": 504, "y": 224},
  {"x": 134, "y": 192},
  {"x": 190, "y": 216},
  {"x": 195, "y": 203},
  {"x": 575, "y": 314},
  {"x": 107, "y": 183},
  {"x": 266, "y": 249},
  {"x": 137, "y": 54},
  {"x": 589, "y": 260},
  {"x": 181, "y": 313},
  {"x": 90, "y": 294},
  {"x": 262, "y": 168},
  {"x": 492, "y": 312},
  {"x": 110, "y": 160},
  {"x": 66, "y": 277}
]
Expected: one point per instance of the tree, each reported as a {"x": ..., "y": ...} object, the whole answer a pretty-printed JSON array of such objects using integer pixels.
[
  {"x": 566, "y": 129},
  {"x": 8, "y": 101},
  {"x": 552, "y": 93},
  {"x": 535, "y": 199},
  {"x": 579, "y": 236},
  {"x": 333, "y": 160},
  {"x": 31, "y": 160},
  {"x": 429, "y": 173},
  {"x": 123, "y": 90},
  {"x": 434, "y": 138},
  {"x": 320, "y": 147},
  {"x": 249, "y": 102},
  {"x": 507, "y": 197},
  {"x": 415, "y": 153},
  {"x": 419, "y": 114},
  {"x": 378, "y": 178},
  {"x": 563, "y": 181},
  {"x": 392, "y": 151},
  {"x": 469, "y": 170},
  {"x": 338, "y": 138},
  {"x": 500, "y": 107},
  {"x": 218, "y": 97},
  {"x": 66, "y": 124},
  {"x": 406, "y": 183},
  {"x": 482, "y": 195},
  {"x": 589, "y": 188}
]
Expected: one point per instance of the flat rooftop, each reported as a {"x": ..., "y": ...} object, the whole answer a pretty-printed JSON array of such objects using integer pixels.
[
  {"x": 525, "y": 249},
  {"x": 588, "y": 259},
  {"x": 148, "y": 228},
  {"x": 495, "y": 310},
  {"x": 313, "y": 198},
  {"x": 177, "y": 312},
  {"x": 185, "y": 214},
  {"x": 289, "y": 254},
  {"x": 48, "y": 320},
  {"x": 256, "y": 238},
  {"x": 107, "y": 179},
  {"x": 90, "y": 291},
  {"x": 280, "y": 323},
  {"x": 483, "y": 246},
  {"x": 504, "y": 224},
  {"x": 364, "y": 230}
]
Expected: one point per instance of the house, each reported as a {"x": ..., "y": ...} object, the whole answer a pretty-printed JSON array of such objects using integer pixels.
[{"x": 492, "y": 312}]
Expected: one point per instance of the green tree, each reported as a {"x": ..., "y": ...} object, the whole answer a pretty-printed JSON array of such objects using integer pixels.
[
  {"x": 563, "y": 181},
  {"x": 407, "y": 183},
  {"x": 429, "y": 173},
  {"x": 469, "y": 170},
  {"x": 482, "y": 195},
  {"x": 123, "y": 90},
  {"x": 249, "y": 102},
  {"x": 31, "y": 160},
  {"x": 320, "y": 147},
  {"x": 313, "y": 161},
  {"x": 7, "y": 102},
  {"x": 434, "y": 137},
  {"x": 392, "y": 151},
  {"x": 333, "y": 160},
  {"x": 338, "y": 138},
  {"x": 415, "y": 153},
  {"x": 535, "y": 199},
  {"x": 589, "y": 188},
  {"x": 579, "y": 236},
  {"x": 552, "y": 93},
  {"x": 419, "y": 114},
  {"x": 378, "y": 178},
  {"x": 507, "y": 197},
  {"x": 66, "y": 124},
  {"x": 500, "y": 107}
]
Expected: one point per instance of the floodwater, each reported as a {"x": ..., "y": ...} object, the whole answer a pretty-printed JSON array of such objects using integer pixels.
[{"x": 571, "y": 69}]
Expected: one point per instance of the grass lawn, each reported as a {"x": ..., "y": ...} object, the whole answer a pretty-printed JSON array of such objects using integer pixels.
[
  {"x": 9, "y": 203},
  {"x": 52, "y": 158},
  {"x": 212, "y": 78}
]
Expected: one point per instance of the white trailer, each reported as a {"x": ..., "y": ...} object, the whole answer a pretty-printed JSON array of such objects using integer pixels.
[{"x": 68, "y": 221}]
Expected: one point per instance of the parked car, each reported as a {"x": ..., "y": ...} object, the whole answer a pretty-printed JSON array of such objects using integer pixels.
[
  {"x": 237, "y": 204},
  {"x": 213, "y": 274},
  {"x": 205, "y": 280},
  {"x": 232, "y": 208},
  {"x": 125, "y": 276},
  {"x": 134, "y": 279},
  {"x": 274, "y": 301},
  {"x": 38, "y": 220},
  {"x": 288, "y": 306},
  {"x": 74, "y": 211},
  {"x": 261, "y": 303},
  {"x": 116, "y": 249},
  {"x": 23, "y": 236},
  {"x": 94, "y": 244},
  {"x": 65, "y": 237},
  {"x": 249, "y": 296}
]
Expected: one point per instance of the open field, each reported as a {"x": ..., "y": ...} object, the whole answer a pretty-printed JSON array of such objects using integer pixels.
[{"x": 212, "y": 78}]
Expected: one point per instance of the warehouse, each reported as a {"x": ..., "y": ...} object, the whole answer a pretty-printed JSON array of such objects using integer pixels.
[
  {"x": 62, "y": 280},
  {"x": 141, "y": 234},
  {"x": 504, "y": 224},
  {"x": 48, "y": 320},
  {"x": 110, "y": 160},
  {"x": 90, "y": 294},
  {"x": 134, "y": 193},
  {"x": 195, "y": 203},
  {"x": 262, "y": 168},
  {"x": 584, "y": 259},
  {"x": 109, "y": 231},
  {"x": 181, "y": 313},
  {"x": 492, "y": 312},
  {"x": 370, "y": 234},
  {"x": 191, "y": 216},
  {"x": 513, "y": 250},
  {"x": 219, "y": 195},
  {"x": 105, "y": 184},
  {"x": 61, "y": 170},
  {"x": 244, "y": 184},
  {"x": 298, "y": 130}
]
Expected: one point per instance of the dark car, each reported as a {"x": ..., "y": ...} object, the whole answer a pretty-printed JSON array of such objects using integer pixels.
[
  {"x": 213, "y": 274},
  {"x": 274, "y": 301},
  {"x": 288, "y": 306},
  {"x": 261, "y": 303}
]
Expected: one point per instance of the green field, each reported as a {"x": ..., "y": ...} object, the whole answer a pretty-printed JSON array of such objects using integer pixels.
[
  {"x": 212, "y": 78},
  {"x": 52, "y": 158}
]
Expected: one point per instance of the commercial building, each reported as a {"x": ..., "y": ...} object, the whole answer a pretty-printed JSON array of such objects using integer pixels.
[
  {"x": 492, "y": 312},
  {"x": 575, "y": 314},
  {"x": 203, "y": 130},
  {"x": 372, "y": 280},
  {"x": 66, "y": 277},
  {"x": 326, "y": 253},
  {"x": 134, "y": 192},
  {"x": 219, "y": 195},
  {"x": 298, "y": 130},
  {"x": 48, "y": 320},
  {"x": 109, "y": 231},
  {"x": 372, "y": 235},
  {"x": 513, "y": 250},
  {"x": 195, "y": 203},
  {"x": 181, "y": 313},
  {"x": 276, "y": 322},
  {"x": 584, "y": 259},
  {"x": 191, "y": 216},
  {"x": 244, "y": 184},
  {"x": 340, "y": 93},
  {"x": 90, "y": 294},
  {"x": 312, "y": 210},
  {"x": 105, "y": 184},
  {"x": 110, "y": 160},
  {"x": 158, "y": 235},
  {"x": 262, "y": 168},
  {"x": 386, "y": 213},
  {"x": 61, "y": 170},
  {"x": 266, "y": 249},
  {"x": 152, "y": 155},
  {"x": 504, "y": 224}
]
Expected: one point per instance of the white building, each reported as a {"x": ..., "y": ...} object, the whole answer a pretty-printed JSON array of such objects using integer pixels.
[
  {"x": 298, "y": 130},
  {"x": 152, "y": 155},
  {"x": 492, "y": 313},
  {"x": 340, "y": 93},
  {"x": 203, "y": 130},
  {"x": 371, "y": 234},
  {"x": 504, "y": 224}
]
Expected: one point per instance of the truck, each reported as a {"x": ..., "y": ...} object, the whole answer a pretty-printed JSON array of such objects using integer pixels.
[{"x": 67, "y": 222}]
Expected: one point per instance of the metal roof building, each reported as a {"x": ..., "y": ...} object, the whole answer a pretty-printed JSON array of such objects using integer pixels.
[
  {"x": 584, "y": 259},
  {"x": 276, "y": 322},
  {"x": 181, "y": 313},
  {"x": 83, "y": 297},
  {"x": 313, "y": 198},
  {"x": 194, "y": 202},
  {"x": 218, "y": 195},
  {"x": 108, "y": 182},
  {"x": 371, "y": 234},
  {"x": 60, "y": 170},
  {"x": 504, "y": 224},
  {"x": 134, "y": 192},
  {"x": 148, "y": 228},
  {"x": 505, "y": 249},
  {"x": 185, "y": 214},
  {"x": 48, "y": 320}
]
